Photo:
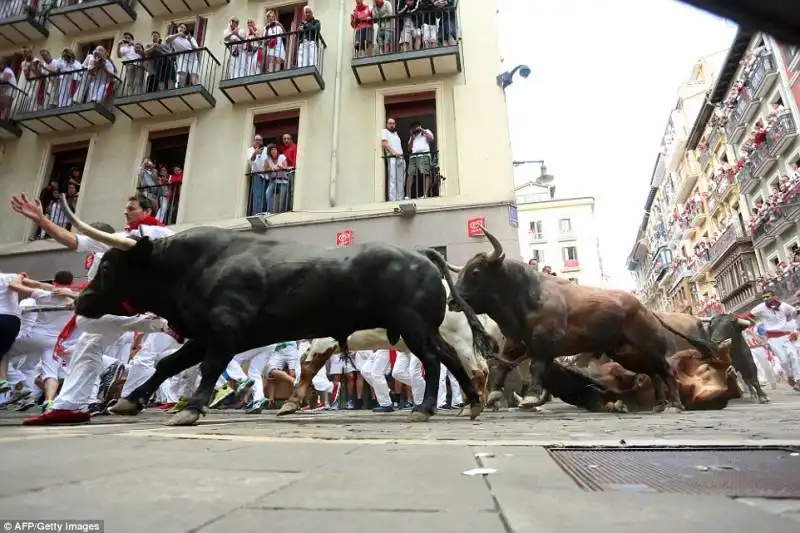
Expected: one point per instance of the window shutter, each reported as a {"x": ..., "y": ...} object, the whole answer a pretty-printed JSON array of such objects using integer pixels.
[
  {"x": 172, "y": 29},
  {"x": 200, "y": 30}
]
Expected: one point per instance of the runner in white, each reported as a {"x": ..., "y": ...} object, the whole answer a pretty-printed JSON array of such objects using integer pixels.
[{"x": 776, "y": 317}]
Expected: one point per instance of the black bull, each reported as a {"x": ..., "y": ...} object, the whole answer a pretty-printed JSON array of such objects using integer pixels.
[{"x": 228, "y": 292}]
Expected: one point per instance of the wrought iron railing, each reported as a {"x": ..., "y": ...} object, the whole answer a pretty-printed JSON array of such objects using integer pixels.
[
  {"x": 270, "y": 192},
  {"x": 404, "y": 32},
  {"x": 765, "y": 64},
  {"x": 413, "y": 176},
  {"x": 58, "y": 4},
  {"x": 275, "y": 53},
  {"x": 8, "y": 95},
  {"x": 783, "y": 126},
  {"x": 54, "y": 212},
  {"x": 62, "y": 90},
  {"x": 728, "y": 238},
  {"x": 165, "y": 198},
  {"x": 36, "y": 11},
  {"x": 168, "y": 71},
  {"x": 784, "y": 286},
  {"x": 713, "y": 138}
]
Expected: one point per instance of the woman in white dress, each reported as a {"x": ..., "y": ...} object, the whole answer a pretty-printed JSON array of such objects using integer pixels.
[
  {"x": 276, "y": 49},
  {"x": 237, "y": 60},
  {"x": 188, "y": 63},
  {"x": 101, "y": 74},
  {"x": 254, "y": 49}
]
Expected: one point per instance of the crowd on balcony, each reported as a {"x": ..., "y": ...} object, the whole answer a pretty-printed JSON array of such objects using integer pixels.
[
  {"x": 271, "y": 174},
  {"x": 68, "y": 185},
  {"x": 723, "y": 177},
  {"x": 785, "y": 191},
  {"x": 161, "y": 184},
  {"x": 784, "y": 279},
  {"x": 691, "y": 209},
  {"x": 410, "y": 25},
  {"x": 748, "y": 64}
]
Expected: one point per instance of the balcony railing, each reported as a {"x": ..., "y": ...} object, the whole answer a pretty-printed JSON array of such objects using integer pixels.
[
  {"x": 785, "y": 287},
  {"x": 54, "y": 212},
  {"x": 746, "y": 105},
  {"x": 725, "y": 242},
  {"x": 66, "y": 101},
  {"x": 535, "y": 236},
  {"x": 403, "y": 47},
  {"x": 747, "y": 182},
  {"x": 9, "y": 129},
  {"x": 165, "y": 198},
  {"x": 714, "y": 138},
  {"x": 273, "y": 67},
  {"x": 21, "y": 23},
  {"x": 761, "y": 160},
  {"x": 571, "y": 264},
  {"x": 76, "y": 16},
  {"x": 781, "y": 134},
  {"x": 162, "y": 8},
  {"x": 169, "y": 84},
  {"x": 722, "y": 189},
  {"x": 705, "y": 155},
  {"x": 764, "y": 72},
  {"x": 270, "y": 192},
  {"x": 413, "y": 176}
]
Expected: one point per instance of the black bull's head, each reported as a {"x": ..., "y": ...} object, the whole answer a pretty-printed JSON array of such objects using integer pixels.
[
  {"x": 125, "y": 262},
  {"x": 477, "y": 279},
  {"x": 725, "y": 326}
]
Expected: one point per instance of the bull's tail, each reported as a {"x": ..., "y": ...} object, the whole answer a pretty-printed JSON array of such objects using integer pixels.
[
  {"x": 483, "y": 343},
  {"x": 705, "y": 349}
]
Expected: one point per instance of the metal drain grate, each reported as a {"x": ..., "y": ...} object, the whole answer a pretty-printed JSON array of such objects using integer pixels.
[{"x": 735, "y": 472}]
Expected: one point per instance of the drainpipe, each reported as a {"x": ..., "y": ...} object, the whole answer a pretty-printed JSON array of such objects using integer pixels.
[{"x": 337, "y": 95}]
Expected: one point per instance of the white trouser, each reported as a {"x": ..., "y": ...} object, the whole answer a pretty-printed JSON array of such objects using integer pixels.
[
  {"x": 258, "y": 358},
  {"x": 24, "y": 369},
  {"x": 396, "y": 168},
  {"x": 283, "y": 356},
  {"x": 85, "y": 364},
  {"x": 307, "y": 54},
  {"x": 408, "y": 371},
  {"x": 787, "y": 354},
  {"x": 155, "y": 347},
  {"x": 320, "y": 381},
  {"x": 455, "y": 388},
  {"x": 121, "y": 349},
  {"x": 765, "y": 372},
  {"x": 374, "y": 372}
]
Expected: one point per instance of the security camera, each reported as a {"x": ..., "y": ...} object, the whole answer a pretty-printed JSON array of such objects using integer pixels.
[{"x": 524, "y": 72}]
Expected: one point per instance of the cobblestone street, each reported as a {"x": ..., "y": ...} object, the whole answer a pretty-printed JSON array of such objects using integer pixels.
[{"x": 338, "y": 471}]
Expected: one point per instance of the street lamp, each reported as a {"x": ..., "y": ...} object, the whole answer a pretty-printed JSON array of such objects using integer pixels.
[
  {"x": 544, "y": 181},
  {"x": 507, "y": 78}
]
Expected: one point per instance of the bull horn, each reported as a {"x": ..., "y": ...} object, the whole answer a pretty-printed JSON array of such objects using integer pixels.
[
  {"x": 744, "y": 323},
  {"x": 518, "y": 398},
  {"x": 454, "y": 268},
  {"x": 115, "y": 241},
  {"x": 497, "y": 254}
]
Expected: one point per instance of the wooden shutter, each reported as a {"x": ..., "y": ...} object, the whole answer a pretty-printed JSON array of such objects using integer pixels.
[{"x": 200, "y": 24}]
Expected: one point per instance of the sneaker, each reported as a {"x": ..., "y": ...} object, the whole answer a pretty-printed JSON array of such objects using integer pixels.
[
  {"x": 244, "y": 385},
  {"x": 5, "y": 386},
  {"x": 58, "y": 416},
  {"x": 335, "y": 393},
  {"x": 255, "y": 407},
  {"x": 405, "y": 406},
  {"x": 167, "y": 406},
  {"x": 383, "y": 409},
  {"x": 26, "y": 403},
  {"x": 108, "y": 379},
  {"x": 316, "y": 407},
  {"x": 350, "y": 405},
  {"x": 220, "y": 395},
  {"x": 180, "y": 405},
  {"x": 97, "y": 409},
  {"x": 47, "y": 406}
]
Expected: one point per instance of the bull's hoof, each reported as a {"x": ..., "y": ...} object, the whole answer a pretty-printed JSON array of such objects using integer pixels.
[
  {"x": 187, "y": 417},
  {"x": 530, "y": 403},
  {"x": 475, "y": 410},
  {"x": 125, "y": 407},
  {"x": 419, "y": 416},
  {"x": 288, "y": 408},
  {"x": 764, "y": 399},
  {"x": 616, "y": 407},
  {"x": 672, "y": 409}
]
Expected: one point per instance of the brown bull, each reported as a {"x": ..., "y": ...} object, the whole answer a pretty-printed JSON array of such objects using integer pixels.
[{"x": 548, "y": 317}]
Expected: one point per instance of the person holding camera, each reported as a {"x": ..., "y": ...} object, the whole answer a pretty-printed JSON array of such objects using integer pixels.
[
  {"x": 101, "y": 73},
  {"x": 132, "y": 69},
  {"x": 188, "y": 62},
  {"x": 420, "y": 162}
]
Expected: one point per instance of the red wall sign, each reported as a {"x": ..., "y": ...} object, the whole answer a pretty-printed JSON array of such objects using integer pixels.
[
  {"x": 474, "y": 226},
  {"x": 344, "y": 238}
]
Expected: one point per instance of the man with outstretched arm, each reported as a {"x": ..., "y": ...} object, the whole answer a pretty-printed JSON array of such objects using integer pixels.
[{"x": 97, "y": 335}]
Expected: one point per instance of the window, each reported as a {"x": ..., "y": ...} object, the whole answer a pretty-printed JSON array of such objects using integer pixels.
[
  {"x": 162, "y": 180},
  {"x": 535, "y": 230},
  {"x": 778, "y": 100},
  {"x": 423, "y": 177},
  {"x": 196, "y": 27},
  {"x": 272, "y": 191},
  {"x": 774, "y": 260},
  {"x": 565, "y": 225},
  {"x": 569, "y": 253},
  {"x": 84, "y": 49},
  {"x": 64, "y": 177},
  {"x": 538, "y": 255}
]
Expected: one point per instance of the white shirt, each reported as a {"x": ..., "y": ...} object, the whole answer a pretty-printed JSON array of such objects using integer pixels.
[
  {"x": 12, "y": 78},
  {"x": 775, "y": 320},
  {"x": 27, "y": 320},
  {"x": 393, "y": 139},
  {"x": 9, "y": 300},
  {"x": 97, "y": 249},
  {"x": 259, "y": 164},
  {"x": 420, "y": 143},
  {"x": 182, "y": 44},
  {"x": 128, "y": 52},
  {"x": 51, "y": 323}
]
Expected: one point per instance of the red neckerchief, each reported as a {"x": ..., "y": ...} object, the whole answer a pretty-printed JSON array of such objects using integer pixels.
[
  {"x": 773, "y": 305},
  {"x": 146, "y": 220}
]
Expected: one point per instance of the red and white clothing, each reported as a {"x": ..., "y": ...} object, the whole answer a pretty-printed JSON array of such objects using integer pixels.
[
  {"x": 779, "y": 325},
  {"x": 407, "y": 369},
  {"x": 761, "y": 358},
  {"x": 374, "y": 370}
]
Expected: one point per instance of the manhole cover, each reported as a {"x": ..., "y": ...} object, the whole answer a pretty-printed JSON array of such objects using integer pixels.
[{"x": 735, "y": 472}]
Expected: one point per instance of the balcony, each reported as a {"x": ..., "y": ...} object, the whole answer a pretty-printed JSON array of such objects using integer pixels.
[
  {"x": 712, "y": 204},
  {"x": 785, "y": 286},
  {"x": 747, "y": 181},
  {"x": 406, "y": 56},
  {"x": 763, "y": 75},
  {"x": 182, "y": 82},
  {"x": 699, "y": 217},
  {"x": 165, "y": 198},
  {"x": 761, "y": 160},
  {"x": 725, "y": 243},
  {"x": 705, "y": 157},
  {"x": 9, "y": 129},
  {"x": 764, "y": 234},
  {"x": 571, "y": 265},
  {"x": 713, "y": 139},
  {"x": 75, "y": 16},
  {"x": 21, "y": 24},
  {"x": 782, "y": 134},
  {"x": 270, "y": 193},
  {"x": 246, "y": 79},
  {"x": 420, "y": 176},
  {"x": 721, "y": 192},
  {"x": 66, "y": 101},
  {"x": 535, "y": 237},
  {"x": 160, "y": 8},
  {"x": 701, "y": 266}
]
